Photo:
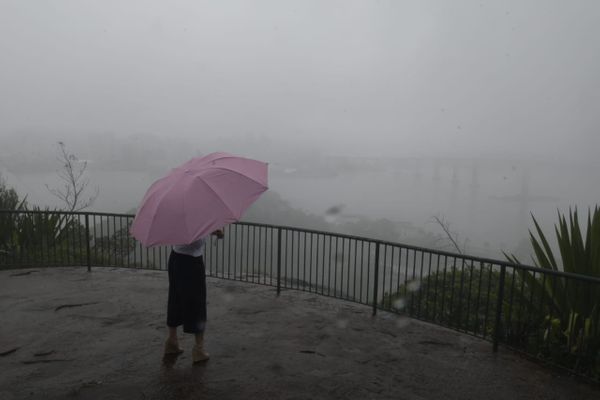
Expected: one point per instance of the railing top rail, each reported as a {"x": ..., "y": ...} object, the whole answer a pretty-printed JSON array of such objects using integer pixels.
[
  {"x": 465, "y": 257},
  {"x": 458, "y": 256}
]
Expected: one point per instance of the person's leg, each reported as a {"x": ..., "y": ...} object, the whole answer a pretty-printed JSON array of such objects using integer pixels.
[
  {"x": 198, "y": 352},
  {"x": 173, "y": 308},
  {"x": 199, "y": 301},
  {"x": 172, "y": 343}
]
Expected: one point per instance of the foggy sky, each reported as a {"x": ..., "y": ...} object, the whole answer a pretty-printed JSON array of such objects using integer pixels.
[{"x": 356, "y": 77}]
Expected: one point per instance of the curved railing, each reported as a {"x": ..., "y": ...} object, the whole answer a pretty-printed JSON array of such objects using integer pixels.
[{"x": 551, "y": 315}]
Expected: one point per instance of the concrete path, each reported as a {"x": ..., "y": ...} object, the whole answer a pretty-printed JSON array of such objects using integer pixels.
[{"x": 69, "y": 334}]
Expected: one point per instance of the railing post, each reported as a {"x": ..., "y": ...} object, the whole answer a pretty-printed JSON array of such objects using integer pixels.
[
  {"x": 499, "y": 304},
  {"x": 376, "y": 279},
  {"x": 87, "y": 241},
  {"x": 278, "y": 261}
]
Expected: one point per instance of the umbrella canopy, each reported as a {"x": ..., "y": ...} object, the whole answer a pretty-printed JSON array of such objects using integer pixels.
[{"x": 198, "y": 197}]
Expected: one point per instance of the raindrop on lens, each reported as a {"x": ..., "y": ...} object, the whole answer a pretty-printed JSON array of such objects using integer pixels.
[
  {"x": 399, "y": 304},
  {"x": 413, "y": 286},
  {"x": 333, "y": 210}
]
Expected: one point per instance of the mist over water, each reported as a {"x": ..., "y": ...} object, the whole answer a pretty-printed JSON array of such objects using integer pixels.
[{"x": 486, "y": 202}]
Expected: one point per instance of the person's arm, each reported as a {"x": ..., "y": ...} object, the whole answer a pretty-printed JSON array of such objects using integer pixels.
[{"x": 218, "y": 233}]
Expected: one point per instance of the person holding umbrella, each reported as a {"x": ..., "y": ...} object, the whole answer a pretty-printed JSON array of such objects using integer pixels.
[
  {"x": 187, "y": 296},
  {"x": 182, "y": 209}
]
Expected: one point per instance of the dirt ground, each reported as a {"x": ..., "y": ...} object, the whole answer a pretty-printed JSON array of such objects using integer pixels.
[{"x": 69, "y": 334}]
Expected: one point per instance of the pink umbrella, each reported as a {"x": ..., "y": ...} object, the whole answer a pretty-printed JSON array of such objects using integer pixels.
[{"x": 198, "y": 197}]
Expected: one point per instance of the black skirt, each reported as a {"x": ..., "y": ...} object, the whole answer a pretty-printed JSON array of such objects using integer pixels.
[{"x": 187, "y": 293}]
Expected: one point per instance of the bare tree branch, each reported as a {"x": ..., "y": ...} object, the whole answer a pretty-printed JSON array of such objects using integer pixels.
[
  {"x": 75, "y": 184},
  {"x": 449, "y": 234}
]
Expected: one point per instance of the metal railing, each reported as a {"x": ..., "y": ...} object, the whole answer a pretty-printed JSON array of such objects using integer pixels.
[{"x": 550, "y": 315}]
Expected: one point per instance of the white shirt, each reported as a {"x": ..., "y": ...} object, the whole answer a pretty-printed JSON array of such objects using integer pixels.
[{"x": 194, "y": 249}]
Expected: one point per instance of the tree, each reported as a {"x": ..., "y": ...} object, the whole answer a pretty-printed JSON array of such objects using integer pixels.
[
  {"x": 451, "y": 236},
  {"x": 75, "y": 184},
  {"x": 9, "y": 199}
]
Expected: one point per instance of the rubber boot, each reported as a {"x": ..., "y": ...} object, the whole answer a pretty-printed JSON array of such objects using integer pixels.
[{"x": 198, "y": 353}]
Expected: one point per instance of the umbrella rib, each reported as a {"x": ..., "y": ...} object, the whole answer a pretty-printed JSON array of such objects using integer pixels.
[
  {"x": 240, "y": 174},
  {"x": 216, "y": 194},
  {"x": 162, "y": 196},
  {"x": 211, "y": 161}
]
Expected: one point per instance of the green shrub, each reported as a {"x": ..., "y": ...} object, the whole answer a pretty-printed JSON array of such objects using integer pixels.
[{"x": 465, "y": 298}]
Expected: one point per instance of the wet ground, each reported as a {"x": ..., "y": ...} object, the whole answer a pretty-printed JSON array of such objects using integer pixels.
[{"x": 69, "y": 334}]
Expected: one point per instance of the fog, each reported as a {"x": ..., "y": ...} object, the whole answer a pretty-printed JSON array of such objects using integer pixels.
[{"x": 477, "y": 111}]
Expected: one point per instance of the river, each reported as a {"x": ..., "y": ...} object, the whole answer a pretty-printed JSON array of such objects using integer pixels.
[{"x": 488, "y": 207}]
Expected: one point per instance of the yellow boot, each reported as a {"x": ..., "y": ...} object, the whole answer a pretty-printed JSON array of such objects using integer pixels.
[{"x": 198, "y": 353}]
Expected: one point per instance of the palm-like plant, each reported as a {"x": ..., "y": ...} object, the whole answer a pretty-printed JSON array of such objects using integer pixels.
[
  {"x": 46, "y": 236},
  {"x": 572, "y": 308}
]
